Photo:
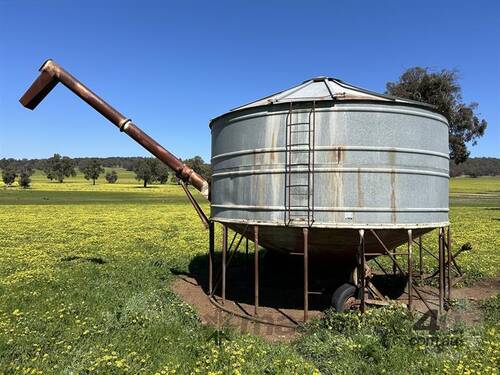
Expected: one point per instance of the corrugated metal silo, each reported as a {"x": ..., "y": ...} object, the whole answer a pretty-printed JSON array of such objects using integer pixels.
[{"x": 332, "y": 157}]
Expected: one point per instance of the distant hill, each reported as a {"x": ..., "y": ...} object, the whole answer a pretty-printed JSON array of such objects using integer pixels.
[{"x": 475, "y": 167}]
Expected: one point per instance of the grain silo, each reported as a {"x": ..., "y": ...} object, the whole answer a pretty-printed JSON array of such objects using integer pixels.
[{"x": 322, "y": 168}]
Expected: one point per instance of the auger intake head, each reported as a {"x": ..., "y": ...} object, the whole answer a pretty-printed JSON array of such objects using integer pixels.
[{"x": 44, "y": 84}]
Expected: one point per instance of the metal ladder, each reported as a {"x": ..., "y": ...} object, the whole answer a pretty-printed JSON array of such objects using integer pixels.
[{"x": 299, "y": 167}]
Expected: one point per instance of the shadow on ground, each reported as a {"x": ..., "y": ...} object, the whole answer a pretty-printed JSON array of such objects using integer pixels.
[{"x": 281, "y": 279}]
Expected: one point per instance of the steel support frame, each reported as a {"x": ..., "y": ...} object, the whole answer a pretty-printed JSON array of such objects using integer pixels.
[
  {"x": 256, "y": 272},
  {"x": 445, "y": 263},
  {"x": 306, "y": 273},
  {"x": 444, "y": 257},
  {"x": 361, "y": 268}
]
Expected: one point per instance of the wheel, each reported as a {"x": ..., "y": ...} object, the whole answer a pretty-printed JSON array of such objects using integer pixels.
[{"x": 344, "y": 298}]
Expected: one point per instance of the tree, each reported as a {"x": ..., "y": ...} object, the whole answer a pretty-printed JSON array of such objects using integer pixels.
[
  {"x": 442, "y": 90},
  {"x": 111, "y": 177},
  {"x": 57, "y": 168},
  {"x": 25, "y": 177},
  {"x": 198, "y": 165},
  {"x": 92, "y": 169},
  {"x": 162, "y": 173},
  {"x": 9, "y": 174},
  {"x": 47, "y": 168},
  {"x": 146, "y": 170},
  {"x": 174, "y": 178}
]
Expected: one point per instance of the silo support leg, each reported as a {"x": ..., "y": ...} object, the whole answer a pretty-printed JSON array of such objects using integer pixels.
[
  {"x": 211, "y": 242},
  {"x": 410, "y": 270},
  {"x": 420, "y": 259},
  {"x": 247, "y": 259},
  {"x": 256, "y": 270},
  {"x": 306, "y": 273},
  {"x": 441, "y": 269},
  {"x": 394, "y": 266},
  {"x": 361, "y": 269},
  {"x": 448, "y": 265},
  {"x": 224, "y": 251}
]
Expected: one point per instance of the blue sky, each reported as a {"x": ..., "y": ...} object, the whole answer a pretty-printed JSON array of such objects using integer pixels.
[{"x": 171, "y": 66}]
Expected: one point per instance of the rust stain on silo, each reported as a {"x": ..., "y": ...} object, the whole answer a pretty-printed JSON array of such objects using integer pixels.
[{"x": 393, "y": 197}]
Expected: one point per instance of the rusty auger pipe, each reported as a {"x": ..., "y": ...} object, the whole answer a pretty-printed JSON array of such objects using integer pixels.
[{"x": 51, "y": 73}]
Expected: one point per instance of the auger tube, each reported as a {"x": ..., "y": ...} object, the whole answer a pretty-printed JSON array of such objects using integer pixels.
[{"x": 52, "y": 73}]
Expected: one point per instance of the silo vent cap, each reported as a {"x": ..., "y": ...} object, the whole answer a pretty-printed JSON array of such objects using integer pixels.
[
  {"x": 317, "y": 79},
  {"x": 321, "y": 79}
]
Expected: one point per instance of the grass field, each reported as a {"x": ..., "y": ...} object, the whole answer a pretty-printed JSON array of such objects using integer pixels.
[{"x": 85, "y": 275}]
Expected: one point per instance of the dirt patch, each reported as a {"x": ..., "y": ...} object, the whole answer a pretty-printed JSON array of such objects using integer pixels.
[
  {"x": 281, "y": 294},
  {"x": 465, "y": 303},
  {"x": 189, "y": 290},
  {"x": 281, "y": 298},
  {"x": 468, "y": 300},
  {"x": 481, "y": 290},
  {"x": 465, "y": 310}
]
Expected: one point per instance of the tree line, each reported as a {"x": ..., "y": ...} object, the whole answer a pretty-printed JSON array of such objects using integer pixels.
[
  {"x": 57, "y": 168},
  {"x": 475, "y": 167},
  {"x": 127, "y": 163},
  {"x": 150, "y": 170}
]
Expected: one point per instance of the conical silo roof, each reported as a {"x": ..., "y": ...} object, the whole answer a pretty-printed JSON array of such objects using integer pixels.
[{"x": 325, "y": 88}]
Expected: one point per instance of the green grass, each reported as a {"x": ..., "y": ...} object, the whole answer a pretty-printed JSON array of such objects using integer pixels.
[
  {"x": 475, "y": 218},
  {"x": 85, "y": 275},
  {"x": 475, "y": 192}
]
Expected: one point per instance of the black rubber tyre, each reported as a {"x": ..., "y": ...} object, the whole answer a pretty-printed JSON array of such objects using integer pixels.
[{"x": 344, "y": 298}]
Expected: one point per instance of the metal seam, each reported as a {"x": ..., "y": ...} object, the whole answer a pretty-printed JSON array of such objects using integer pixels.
[
  {"x": 328, "y": 225},
  {"x": 335, "y": 148},
  {"x": 339, "y": 108},
  {"x": 332, "y": 209},
  {"x": 334, "y": 170}
]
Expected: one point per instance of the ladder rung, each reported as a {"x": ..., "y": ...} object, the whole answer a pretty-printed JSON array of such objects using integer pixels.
[
  {"x": 298, "y": 144},
  {"x": 297, "y": 123},
  {"x": 298, "y": 185},
  {"x": 300, "y": 131},
  {"x": 296, "y": 164}
]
